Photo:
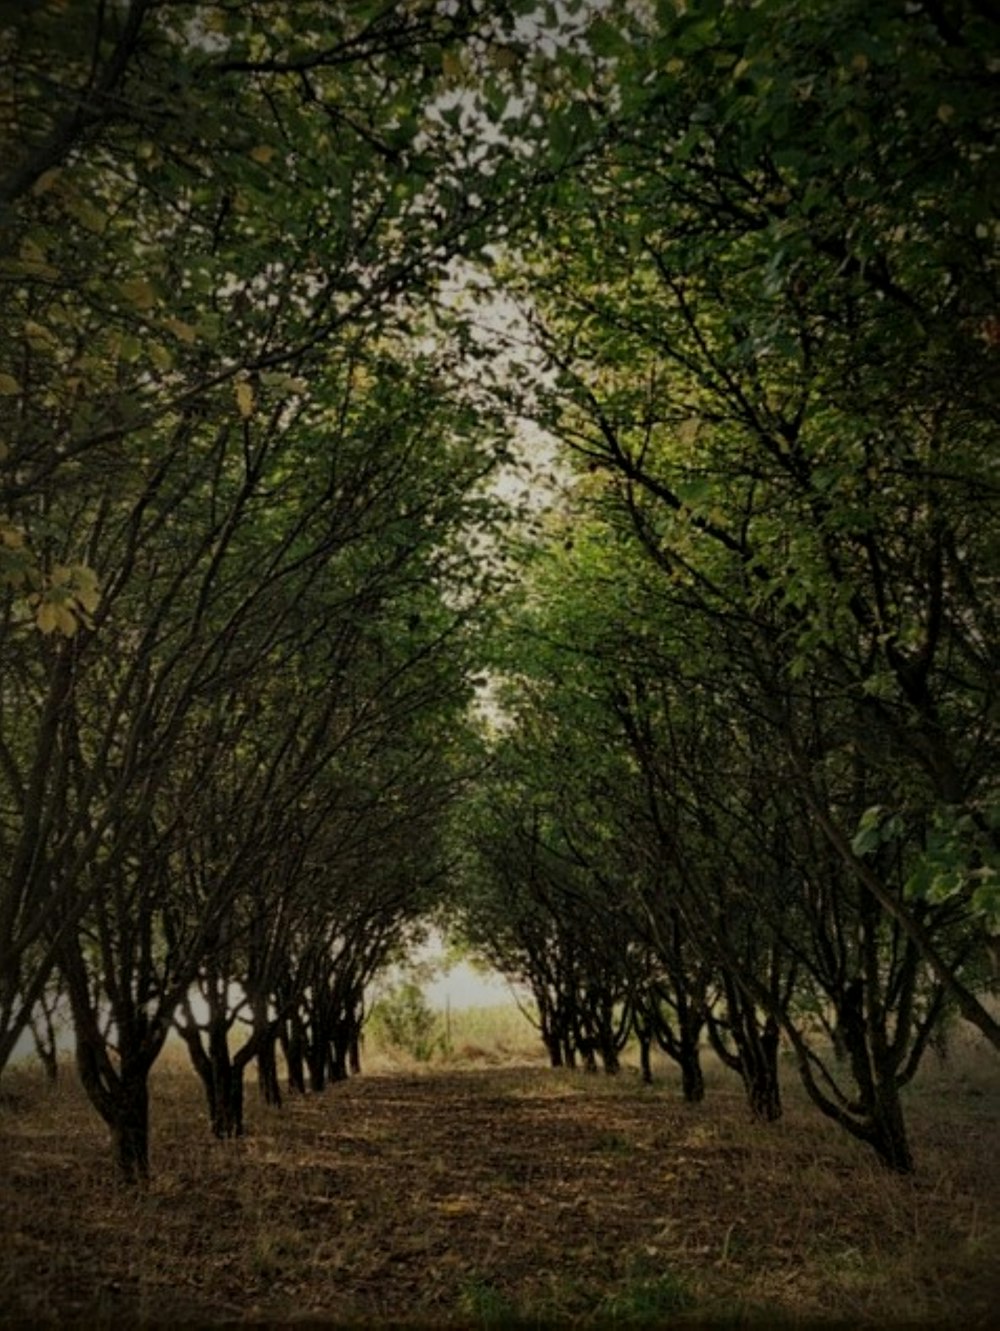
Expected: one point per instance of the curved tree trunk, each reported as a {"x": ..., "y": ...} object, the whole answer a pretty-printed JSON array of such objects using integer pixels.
[
  {"x": 756, "y": 1054},
  {"x": 118, "y": 1088},
  {"x": 221, "y": 1076},
  {"x": 682, "y": 1044}
]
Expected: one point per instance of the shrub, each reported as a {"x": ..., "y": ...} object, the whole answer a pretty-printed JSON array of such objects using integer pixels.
[{"x": 404, "y": 1020}]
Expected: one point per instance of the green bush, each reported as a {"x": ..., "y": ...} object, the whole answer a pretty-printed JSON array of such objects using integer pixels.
[{"x": 404, "y": 1020}]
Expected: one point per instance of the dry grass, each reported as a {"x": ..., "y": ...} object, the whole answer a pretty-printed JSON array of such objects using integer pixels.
[{"x": 483, "y": 1196}]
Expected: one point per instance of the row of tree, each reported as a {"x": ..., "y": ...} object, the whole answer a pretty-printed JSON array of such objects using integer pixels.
[
  {"x": 745, "y": 778},
  {"x": 241, "y": 487}
]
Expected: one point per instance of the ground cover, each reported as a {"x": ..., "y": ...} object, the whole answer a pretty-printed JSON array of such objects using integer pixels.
[{"x": 484, "y": 1195}]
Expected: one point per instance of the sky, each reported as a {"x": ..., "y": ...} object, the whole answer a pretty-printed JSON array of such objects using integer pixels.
[{"x": 463, "y": 987}]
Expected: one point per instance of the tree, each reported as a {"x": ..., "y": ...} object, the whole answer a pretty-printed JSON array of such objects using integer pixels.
[
  {"x": 772, "y": 334},
  {"x": 207, "y": 212}
]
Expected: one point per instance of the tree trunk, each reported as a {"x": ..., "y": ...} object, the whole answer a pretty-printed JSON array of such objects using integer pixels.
[
  {"x": 117, "y": 1088},
  {"x": 692, "y": 1077},
  {"x": 45, "y": 1048},
  {"x": 129, "y": 1124},
  {"x": 293, "y": 1047},
  {"x": 317, "y": 1061},
  {"x": 609, "y": 1057},
  {"x": 554, "y": 1046},
  {"x": 262, "y": 1048},
  {"x": 227, "y": 1081},
  {"x": 43, "y": 1031},
  {"x": 339, "y": 1070},
  {"x": 759, "y": 1070},
  {"x": 221, "y": 1077},
  {"x": 645, "y": 1061},
  {"x": 267, "y": 1072},
  {"x": 588, "y": 1055},
  {"x": 888, "y": 1137},
  {"x": 756, "y": 1056},
  {"x": 227, "y": 1116}
]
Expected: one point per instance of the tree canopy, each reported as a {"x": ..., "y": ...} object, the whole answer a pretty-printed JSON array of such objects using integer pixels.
[{"x": 295, "y": 298}]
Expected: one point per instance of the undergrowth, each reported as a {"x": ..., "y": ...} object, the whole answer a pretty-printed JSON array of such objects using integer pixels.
[{"x": 502, "y": 1195}]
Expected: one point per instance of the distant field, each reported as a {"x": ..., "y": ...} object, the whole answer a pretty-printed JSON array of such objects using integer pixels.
[
  {"x": 480, "y": 1191},
  {"x": 471, "y": 1036}
]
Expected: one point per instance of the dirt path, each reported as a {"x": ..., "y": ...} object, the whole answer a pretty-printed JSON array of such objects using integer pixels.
[{"x": 472, "y": 1198}]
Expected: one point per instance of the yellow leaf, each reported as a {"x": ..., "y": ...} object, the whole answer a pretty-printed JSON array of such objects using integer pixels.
[
  {"x": 181, "y": 330},
  {"x": 859, "y": 63},
  {"x": 262, "y": 153},
  {"x": 46, "y": 180},
  {"x": 945, "y": 113},
  {"x": 9, "y": 387},
  {"x": 73, "y": 593},
  {"x": 66, "y": 621},
  {"x": 46, "y": 617},
  {"x": 244, "y": 398},
  {"x": 160, "y": 356},
  {"x": 86, "y": 590},
  {"x": 39, "y": 336},
  {"x": 139, "y": 292},
  {"x": 87, "y": 215},
  {"x": 12, "y": 537}
]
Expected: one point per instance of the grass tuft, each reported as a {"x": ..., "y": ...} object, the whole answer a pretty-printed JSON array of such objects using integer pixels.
[
  {"x": 648, "y": 1301},
  {"x": 484, "y": 1304}
]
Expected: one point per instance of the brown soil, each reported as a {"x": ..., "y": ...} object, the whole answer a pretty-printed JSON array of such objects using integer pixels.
[{"x": 479, "y": 1197}]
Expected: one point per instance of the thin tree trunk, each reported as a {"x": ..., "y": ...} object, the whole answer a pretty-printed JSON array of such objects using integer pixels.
[
  {"x": 293, "y": 1048},
  {"x": 267, "y": 1071},
  {"x": 45, "y": 1047},
  {"x": 645, "y": 1060}
]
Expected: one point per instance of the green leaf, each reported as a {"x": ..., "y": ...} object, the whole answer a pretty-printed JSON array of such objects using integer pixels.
[{"x": 868, "y": 836}]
